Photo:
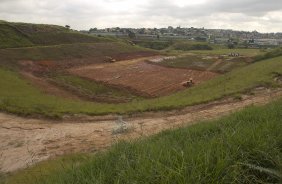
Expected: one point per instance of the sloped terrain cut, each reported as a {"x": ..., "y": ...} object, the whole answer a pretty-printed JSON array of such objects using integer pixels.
[{"x": 142, "y": 77}]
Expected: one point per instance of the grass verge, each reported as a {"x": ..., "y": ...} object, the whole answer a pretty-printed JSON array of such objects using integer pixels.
[
  {"x": 244, "y": 147},
  {"x": 244, "y": 52}
]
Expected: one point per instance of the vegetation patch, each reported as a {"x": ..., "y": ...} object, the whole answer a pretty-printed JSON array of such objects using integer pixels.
[
  {"x": 49, "y": 166},
  {"x": 206, "y": 62},
  {"x": 242, "y": 52},
  {"x": 192, "y": 62},
  {"x": 187, "y": 46},
  {"x": 94, "y": 90},
  {"x": 10, "y": 37},
  {"x": 13, "y": 35},
  {"x": 270, "y": 54},
  {"x": 157, "y": 45}
]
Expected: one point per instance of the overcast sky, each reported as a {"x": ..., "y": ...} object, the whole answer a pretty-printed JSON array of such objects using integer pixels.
[{"x": 260, "y": 15}]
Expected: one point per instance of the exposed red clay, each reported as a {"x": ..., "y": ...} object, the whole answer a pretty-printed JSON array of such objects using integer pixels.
[{"x": 143, "y": 77}]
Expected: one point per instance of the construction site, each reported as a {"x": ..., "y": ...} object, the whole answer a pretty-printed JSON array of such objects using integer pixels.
[{"x": 141, "y": 77}]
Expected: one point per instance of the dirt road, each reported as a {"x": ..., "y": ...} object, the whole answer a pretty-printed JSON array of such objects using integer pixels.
[{"x": 27, "y": 141}]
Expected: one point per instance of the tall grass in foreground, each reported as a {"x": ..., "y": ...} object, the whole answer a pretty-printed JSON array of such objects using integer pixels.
[{"x": 245, "y": 147}]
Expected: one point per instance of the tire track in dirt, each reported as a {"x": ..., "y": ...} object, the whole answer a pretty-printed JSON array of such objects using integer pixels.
[{"x": 26, "y": 141}]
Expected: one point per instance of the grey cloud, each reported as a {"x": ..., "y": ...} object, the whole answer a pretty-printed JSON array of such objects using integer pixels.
[
  {"x": 83, "y": 14},
  {"x": 248, "y": 7}
]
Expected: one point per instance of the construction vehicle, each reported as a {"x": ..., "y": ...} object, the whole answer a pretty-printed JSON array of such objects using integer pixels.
[
  {"x": 110, "y": 59},
  {"x": 188, "y": 83}
]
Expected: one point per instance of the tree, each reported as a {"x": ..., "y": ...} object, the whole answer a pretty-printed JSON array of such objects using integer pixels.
[
  {"x": 142, "y": 31},
  {"x": 93, "y": 29},
  {"x": 67, "y": 26},
  {"x": 232, "y": 43},
  {"x": 231, "y": 46},
  {"x": 158, "y": 36},
  {"x": 131, "y": 34}
]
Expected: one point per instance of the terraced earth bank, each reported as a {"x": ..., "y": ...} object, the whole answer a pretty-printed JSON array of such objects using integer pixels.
[
  {"x": 26, "y": 141},
  {"x": 142, "y": 77}
]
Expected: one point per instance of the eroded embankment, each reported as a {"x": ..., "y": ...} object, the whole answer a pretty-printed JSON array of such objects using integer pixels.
[{"x": 26, "y": 141}]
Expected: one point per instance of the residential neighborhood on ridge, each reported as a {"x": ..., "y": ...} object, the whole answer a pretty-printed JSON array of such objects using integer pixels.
[{"x": 216, "y": 36}]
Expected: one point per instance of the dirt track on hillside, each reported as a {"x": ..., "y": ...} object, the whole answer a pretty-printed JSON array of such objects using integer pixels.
[{"x": 26, "y": 141}]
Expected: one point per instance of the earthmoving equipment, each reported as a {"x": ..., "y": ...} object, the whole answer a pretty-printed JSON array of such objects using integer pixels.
[
  {"x": 188, "y": 83},
  {"x": 110, "y": 59}
]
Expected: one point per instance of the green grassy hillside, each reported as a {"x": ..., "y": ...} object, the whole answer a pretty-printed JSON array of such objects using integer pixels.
[
  {"x": 14, "y": 35},
  {"x": 11, "y": 37},
  {"x": 242, "y": 148},
  {"x": 17, "y": 96}
]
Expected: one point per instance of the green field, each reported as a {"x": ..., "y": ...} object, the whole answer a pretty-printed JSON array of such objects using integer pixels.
[
  {"x": 189, "y": 45},
  {"x": 242, "y": 148},
  {"x": 17, "y": 96},
  {"x": 202, "y": 62},
  {"x": 244, "y": 52},
  {"x": 176, "y": 45},
  {"x": 192, "y": 62},
  {"x": 154, "y": 44}
]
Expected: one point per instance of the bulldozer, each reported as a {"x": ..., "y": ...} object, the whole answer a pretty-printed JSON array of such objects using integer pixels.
[
  {"x": 110, "y": 59},
  {"x": 188, "y": 83}
]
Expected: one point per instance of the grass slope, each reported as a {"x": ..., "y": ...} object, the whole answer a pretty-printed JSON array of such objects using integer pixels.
[
  {"x": 245, "y": 147},
  {"x": 17, "y": 96},
  {"x": 200, "y": 63},
  {"x": 244, "y": 52},
  {"x": 10, "y": 37},
  {"x": 93, "y": 90},
  {"x": 13, "y": 35},
  {"x": 270, "y": 54},
  {"x": 192, "y": 62}
]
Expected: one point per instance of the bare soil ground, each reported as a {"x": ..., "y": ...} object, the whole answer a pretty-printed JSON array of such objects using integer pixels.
[
  {"x": 42, "y": 66},
  {"x": 26, "y": 141},
  {"x": 35, "y": 72},
  {"x": 142, "y": 77}
]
